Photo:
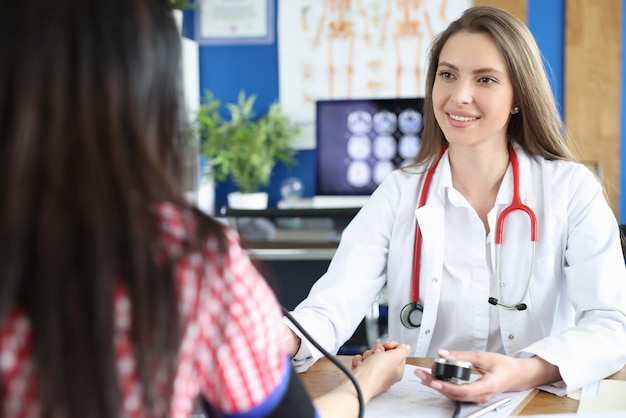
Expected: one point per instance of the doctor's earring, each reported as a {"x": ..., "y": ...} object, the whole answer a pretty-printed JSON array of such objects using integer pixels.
[{"x": 515, "y": 110}]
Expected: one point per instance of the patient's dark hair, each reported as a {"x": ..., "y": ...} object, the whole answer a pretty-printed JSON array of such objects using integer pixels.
[{"x": 90, "y": 113}]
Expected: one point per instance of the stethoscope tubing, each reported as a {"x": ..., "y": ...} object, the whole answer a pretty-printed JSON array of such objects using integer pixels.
[
  {"x": 417, "y": 247},
  {"x": 520, "y": 306},
  {"x": 516, "y": 204}
]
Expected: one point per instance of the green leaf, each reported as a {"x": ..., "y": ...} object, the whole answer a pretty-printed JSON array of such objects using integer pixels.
[
  {"x": 182, "y": 4},
  {"x": 244, "y": 148}
]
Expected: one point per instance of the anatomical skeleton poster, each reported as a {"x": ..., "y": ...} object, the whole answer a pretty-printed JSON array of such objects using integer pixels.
[{"x": 353, "y": 49}]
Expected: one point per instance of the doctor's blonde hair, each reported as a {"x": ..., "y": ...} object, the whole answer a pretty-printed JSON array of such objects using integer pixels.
[{"x": 538, "y": 127}]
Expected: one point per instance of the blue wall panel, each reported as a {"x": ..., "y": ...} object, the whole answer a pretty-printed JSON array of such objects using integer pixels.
[
  {"x": 546, "y": 20},
  {"x": 226, "y": 70}
]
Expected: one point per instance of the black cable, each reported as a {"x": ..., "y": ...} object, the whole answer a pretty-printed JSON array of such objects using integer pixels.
[
  {"x": 457, "y": 409},
  {"x": 333, "y": 359}
]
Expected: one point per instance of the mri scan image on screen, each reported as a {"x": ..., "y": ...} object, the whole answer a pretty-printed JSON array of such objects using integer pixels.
[{"x": 359, "y": 142}]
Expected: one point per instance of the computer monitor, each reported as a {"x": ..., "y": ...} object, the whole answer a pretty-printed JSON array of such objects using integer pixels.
[{"x": 360, "y": 141}]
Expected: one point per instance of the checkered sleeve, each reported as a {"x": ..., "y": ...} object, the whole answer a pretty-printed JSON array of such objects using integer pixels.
[{"x": 241, "y": 355}]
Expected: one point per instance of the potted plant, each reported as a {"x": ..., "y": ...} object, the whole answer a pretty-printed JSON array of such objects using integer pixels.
[
  {"x": 243, "y": 148},
  {"x": 182, "y": 4},
  {"x": 178, "y": 7}
]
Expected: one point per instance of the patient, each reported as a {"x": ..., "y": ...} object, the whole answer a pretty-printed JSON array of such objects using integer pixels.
[{"x": 117, "y": 298}]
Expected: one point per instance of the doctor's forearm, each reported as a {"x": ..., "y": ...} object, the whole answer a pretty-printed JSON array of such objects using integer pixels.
[{"x": 536, "y": 372}]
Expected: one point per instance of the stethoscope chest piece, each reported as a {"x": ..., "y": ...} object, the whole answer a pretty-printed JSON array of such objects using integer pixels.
[{"x": 411, "y": 315}]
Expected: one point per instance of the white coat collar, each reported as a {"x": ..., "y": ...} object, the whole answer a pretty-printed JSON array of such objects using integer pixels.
[{"x": 442, "y": 180}]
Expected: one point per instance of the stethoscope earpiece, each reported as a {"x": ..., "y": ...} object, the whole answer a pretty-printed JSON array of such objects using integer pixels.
[{"x": 519, "y": 306}]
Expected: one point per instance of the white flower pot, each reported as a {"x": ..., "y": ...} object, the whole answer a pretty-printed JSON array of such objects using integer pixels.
[
  {"x": 238, "y": 200},
  {"x": 178, "y": 17}
]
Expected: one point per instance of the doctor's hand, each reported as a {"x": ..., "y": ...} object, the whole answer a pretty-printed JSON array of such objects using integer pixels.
[
  {"x": 499, "y": 373},
  {"x": 377, "y": 348},
  {"x": 292, "y": 341},
  {"x": 381, "y": 368}
]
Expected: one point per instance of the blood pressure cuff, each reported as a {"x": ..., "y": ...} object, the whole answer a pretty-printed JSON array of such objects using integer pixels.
[{"x": 295, "y": 403}]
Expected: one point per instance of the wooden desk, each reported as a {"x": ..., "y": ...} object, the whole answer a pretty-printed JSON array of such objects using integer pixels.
[{"x": 323, "y": 376}]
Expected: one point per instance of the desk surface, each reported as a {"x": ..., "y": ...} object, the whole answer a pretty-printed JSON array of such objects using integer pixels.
[{"x": 323, "y": 376}]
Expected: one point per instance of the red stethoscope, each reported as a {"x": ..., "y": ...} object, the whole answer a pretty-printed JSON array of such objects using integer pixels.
[{"x": 411, "y": 314}]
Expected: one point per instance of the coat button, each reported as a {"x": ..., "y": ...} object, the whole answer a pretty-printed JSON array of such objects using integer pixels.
[
  {"x": 511, "y": 337},
  {"x": 427, "y": 332},
  {"x": 435, "y": 280}
]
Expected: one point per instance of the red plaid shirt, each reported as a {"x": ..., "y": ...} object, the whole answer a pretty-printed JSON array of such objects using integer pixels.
[{"x": 231, "y": 353}]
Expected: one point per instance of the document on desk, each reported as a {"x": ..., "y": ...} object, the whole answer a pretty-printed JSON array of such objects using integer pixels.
[
  {"x": 605, "y": 396},
  {"x": 409, "y": 398}
]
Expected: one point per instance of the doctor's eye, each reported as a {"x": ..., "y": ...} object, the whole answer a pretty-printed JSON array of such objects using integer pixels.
[
  {"x": 445, "y": 74},
  {"x": 487, "y": 80}
]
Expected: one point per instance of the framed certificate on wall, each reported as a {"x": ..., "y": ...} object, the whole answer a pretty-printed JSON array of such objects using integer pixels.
[{"x": 234, "y": 22}]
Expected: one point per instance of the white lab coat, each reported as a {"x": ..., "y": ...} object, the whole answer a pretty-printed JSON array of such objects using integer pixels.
[{"x": 576, "y": 316}]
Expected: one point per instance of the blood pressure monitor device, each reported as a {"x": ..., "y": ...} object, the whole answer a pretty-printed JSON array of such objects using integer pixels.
[{"x": 454, "y": 371}]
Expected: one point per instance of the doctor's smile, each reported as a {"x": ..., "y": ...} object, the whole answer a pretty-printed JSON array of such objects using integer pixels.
[{"x": 460, "y": 118}]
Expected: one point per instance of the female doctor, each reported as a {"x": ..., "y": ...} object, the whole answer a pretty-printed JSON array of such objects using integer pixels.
[{"x": 495, "y": 246}]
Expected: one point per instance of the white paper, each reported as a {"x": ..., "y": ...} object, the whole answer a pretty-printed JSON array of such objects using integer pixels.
[
  {"x": 409, "y": 398},
  {"x": 608, "y": 397}
]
